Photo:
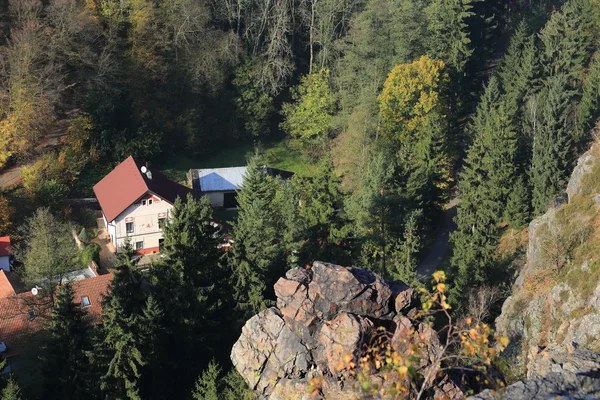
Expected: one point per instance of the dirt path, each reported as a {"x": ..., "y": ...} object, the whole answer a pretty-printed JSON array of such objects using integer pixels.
[
  {"x": 439, "y": 249},
  {"x": 12, "y": 176}
]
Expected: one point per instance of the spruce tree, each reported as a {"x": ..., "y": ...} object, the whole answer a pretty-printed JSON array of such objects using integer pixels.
[
  {"x": 551, "y": 144},
  {"x": 123, "y": 346},
  {"x": 191, "y": 239},
  {"x": 65, "y": 359},
  {"x": 207, "y": 384},
  {"x": 517, "y": 212},
  {"x": 485, "y": 184},
  {"x": 376, "y": 211},
  {"x": 567, "y": 40},
  {"x": 11, "y": 391},
  {"x": 404, "y": 261},
  {"x": 449, "y": 35},
  {"x": 256, "y": 260},
  {"x": 188, "y": 295}
]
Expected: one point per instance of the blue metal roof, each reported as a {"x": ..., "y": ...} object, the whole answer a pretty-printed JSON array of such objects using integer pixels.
[{"x": 221, "y": 179}]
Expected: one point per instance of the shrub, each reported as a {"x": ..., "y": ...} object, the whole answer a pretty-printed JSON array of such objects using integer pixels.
[{"x": 91, "y": 253}]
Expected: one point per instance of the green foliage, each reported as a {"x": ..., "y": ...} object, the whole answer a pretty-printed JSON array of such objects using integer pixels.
[
  {"x": 52, "y": 193},
  {"x": 206, "y": 385},
  {"x": 123, "y": 327},
  {"x": 65, "y": 361},
  {"x": 11, "y": 391},
  {"x": 517, "y": 212},
  {"x": 589, "y": 106},
  {"x": 256, "y": 260},
  {"x": 485, "y": 185},
  {"x": 50, "y": 251},
  {"x": 403, "y": 260},
  {"x": 310, "y": 118},
  {"x": 254, "y": 106},
  {"x": 450, "y": 39},
  {"x": 83, "y": 236},
  {"x": 90, "y": 253},
  {"x": 551, "y": 157}
]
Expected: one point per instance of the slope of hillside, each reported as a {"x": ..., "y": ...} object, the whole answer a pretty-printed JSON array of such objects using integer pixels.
[{"x": 556, "y": 297}]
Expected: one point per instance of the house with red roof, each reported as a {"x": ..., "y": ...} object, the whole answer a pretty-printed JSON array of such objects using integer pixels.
[
  {"x": 136, "y": 200},
  {"x": 24, "y": 318},
  {"x": 5, "y": 253}
]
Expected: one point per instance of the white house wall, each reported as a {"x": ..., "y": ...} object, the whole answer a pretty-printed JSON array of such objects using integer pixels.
[{"x": 145, "y": 223}]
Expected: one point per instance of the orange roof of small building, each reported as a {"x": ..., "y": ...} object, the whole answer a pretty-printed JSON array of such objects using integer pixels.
[
  {"x": 5, "y": 249},
  {"x": 126, "y": 184},
  {"x": 20, "y": 331},
  {"x": 6, "y": 288}
]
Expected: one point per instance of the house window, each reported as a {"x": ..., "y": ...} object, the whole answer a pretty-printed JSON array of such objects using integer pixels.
[
  {"x": 129, "y": 227},
  {"x": 85, "y": 301},
  {"x": 149, "y": 202},
  {"x": 143, "y": 202},
  {"x": 139, "y": 245},
  {"x": 161, "y": 223}
]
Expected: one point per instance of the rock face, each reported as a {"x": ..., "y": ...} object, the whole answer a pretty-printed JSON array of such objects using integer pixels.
[
  {"x": 323, "y": 313},
  {"x": 556, "y": 296},
  {"x": 558, "y": 372}
]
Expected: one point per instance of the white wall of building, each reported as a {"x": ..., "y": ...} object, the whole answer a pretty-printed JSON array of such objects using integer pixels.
[{"x": 145, "y": 223}]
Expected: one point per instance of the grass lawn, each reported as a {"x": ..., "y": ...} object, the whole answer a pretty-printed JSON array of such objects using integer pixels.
[{"x": 279, "y": 155}]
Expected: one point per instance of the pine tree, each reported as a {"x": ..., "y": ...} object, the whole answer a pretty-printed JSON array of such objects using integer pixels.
[
  {"x": 485, "y": 184},
  {"x": 588, "y": 110},
  {"x": 310, "y": 209},
  {"x": 207, "y": 384},
  {"x": 376, "y": 211},
  {"x": 11, "y": 391},
  {"x": 567, "y": 40},
  {"x": 188, "y": 295},
  {"x": 65, "y": 360},
  {"x": 191, "y": 239},
  {"x": 255, "y": 258},
  {"x": 551, "y": 144},
  {"x": 449, "y": 36},
  {"x": 123, "y": 340},
  {"x": 404, "y": 259},
  {"x": 517, "y": 212}
]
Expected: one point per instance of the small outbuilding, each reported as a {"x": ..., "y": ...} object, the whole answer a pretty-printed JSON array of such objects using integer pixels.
[{"x": 221, "y": 184}]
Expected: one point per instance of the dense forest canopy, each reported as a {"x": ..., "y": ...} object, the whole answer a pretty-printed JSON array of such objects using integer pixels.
[{"x": 398, "y": 106}]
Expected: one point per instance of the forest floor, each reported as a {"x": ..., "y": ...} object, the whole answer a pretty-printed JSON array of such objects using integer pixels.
[
  {"x": 12, "y": 176},
  {"x": 437, "y": 253},
  {"x": 278, "y": 155}
]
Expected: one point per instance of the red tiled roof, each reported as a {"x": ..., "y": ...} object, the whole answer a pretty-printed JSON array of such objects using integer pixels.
[
  {"x": 6, "y": 288},
  {"x": 19, "y": 332},
  {"x": 5, "y": 249},
  {"x": 125, "y": 184}
]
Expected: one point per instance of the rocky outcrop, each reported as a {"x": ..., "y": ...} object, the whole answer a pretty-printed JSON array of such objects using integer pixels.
[
  {"x": 322, "y": 314},
  {"x": 556, "y": 296},
  {"x": 558, "y": 372}
]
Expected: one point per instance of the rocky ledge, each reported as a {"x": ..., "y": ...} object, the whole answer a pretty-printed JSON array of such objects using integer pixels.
[
  {"x": 559, "y": 372},
  {"x": 323, "y": 313}
]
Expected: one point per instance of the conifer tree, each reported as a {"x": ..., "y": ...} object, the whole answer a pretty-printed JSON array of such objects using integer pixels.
[
  {"x": 404, "y": 256},
  {"x": 551, "y": 144},
  {"x": 123, "y": 340},
  {"x": 310, "y": 209},
  {"x": 191, "y": 239},
  {"x": 517, "y": 212},
  {"x": 11, "y": 391},
  {"x": 256, "y": 261},
  {"x": 65, "y": 359},
  {"x": 567, "y": 39},
  {"x": 376, "y": 210},
  {"x": 449, "y": 35},
  {"x": 207, "y": 384},
  {"x": 485, "y": 184}
]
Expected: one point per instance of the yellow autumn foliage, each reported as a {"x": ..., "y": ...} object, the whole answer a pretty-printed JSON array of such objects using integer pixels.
[{"x": 410, "y": 94}]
